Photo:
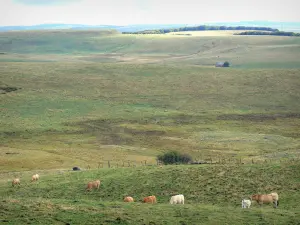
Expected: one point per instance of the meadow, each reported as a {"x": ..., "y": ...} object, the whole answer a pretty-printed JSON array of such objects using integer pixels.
[
  {"x": 201, "y": 48},
  {"x": 213, "y": 195},
  {"x": 83, "y": 98}
]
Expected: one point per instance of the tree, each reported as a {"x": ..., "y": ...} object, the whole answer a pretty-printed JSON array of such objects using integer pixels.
[{"x": 226, "y": 64}]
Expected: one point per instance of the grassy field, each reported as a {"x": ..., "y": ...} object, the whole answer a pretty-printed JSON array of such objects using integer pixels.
[
  {"x": 203, "y": 48},
  {"x": 210, "y": 33},
  {"x": 133, "y": 112},
  {"x": 83, "y": 98},
  {"x": 213, "y": 196}
]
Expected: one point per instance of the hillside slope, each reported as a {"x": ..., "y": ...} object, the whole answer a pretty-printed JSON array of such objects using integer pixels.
[
  {"x": 209, "y": 190},
  {"x": 63, "y": 114},
  {"x": 110, "y": 46}
]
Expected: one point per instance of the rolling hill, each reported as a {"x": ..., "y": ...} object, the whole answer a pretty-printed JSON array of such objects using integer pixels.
[
  {"x": 110, "y": 103},
  {"x": 212, "y": 194},
  {"x": 109, "y": 46}
]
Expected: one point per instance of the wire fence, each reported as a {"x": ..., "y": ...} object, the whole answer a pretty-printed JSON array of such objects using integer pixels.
[{"x": 208, "y": 160}]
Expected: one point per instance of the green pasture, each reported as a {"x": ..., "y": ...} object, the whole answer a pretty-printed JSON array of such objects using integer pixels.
[
  {"x": 213, "y": 195},
  {"x": 96, "y": 99}
]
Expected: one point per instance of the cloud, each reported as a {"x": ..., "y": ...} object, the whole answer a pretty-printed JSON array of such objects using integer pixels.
[{"x": 46, "y": 2}]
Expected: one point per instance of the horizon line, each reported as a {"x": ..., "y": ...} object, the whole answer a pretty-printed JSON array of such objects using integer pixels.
[{"x": 135, "y": 24}]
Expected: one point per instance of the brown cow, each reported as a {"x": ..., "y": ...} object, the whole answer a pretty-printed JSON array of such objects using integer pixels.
[
  {"x": 269, "y": 198},
  {"x": 150, "y": 199},
  {"x": 16, "y": 181},
  {"x": 93, "y": 184},
  {"x": 128, "y": 199}
]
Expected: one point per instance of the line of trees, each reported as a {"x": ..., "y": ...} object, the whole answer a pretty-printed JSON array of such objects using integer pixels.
[
  {"x": 275, "y": 33},
  {"x": 202, "y": 28}
]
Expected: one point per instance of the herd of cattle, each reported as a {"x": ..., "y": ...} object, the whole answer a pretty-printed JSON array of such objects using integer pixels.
[{"x": 176, "y": 199}]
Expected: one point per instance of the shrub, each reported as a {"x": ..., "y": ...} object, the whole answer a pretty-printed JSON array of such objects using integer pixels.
[
  {"x": 173, "y": 157},
  {"x": 226, "y": 64}
]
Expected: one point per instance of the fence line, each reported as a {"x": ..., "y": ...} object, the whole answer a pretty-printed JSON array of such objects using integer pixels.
[{"x": 210, "y": 160}]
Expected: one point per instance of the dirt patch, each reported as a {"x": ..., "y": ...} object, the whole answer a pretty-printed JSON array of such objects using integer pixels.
[
  {"x": 14, "y": 201},
  {"x": 67, "y": 207},
  {"x": 144, "y": 132},
  {"x": 186, "y": 119},
  {"x": 7, "y": 89},
  {"x": 110, "y": 132},
  {"x": 114, "y": 139},
  {"x": 258, "y": 117}
]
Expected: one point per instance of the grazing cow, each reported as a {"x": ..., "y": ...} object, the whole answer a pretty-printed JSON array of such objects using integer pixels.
[
  {"x": 177, "y": 199},
  {"x": 128, "y": 199},
  {"x": 246, "y": 203},
  {"x": 93, "y": 184},
  {"x": 150, "y": 199},
  {"x": 16, "y": 181},
  {"x": 269, "y": 198},
  {"x": 35, "y": 177}
]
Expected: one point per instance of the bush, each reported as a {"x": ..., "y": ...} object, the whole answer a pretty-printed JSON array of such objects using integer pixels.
[
  {"x": 226, "y": 64},
  {"x": 173, "y": 157}
]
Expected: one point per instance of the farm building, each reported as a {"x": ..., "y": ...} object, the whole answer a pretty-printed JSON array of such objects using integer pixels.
[{"x": 222, "y": 64}]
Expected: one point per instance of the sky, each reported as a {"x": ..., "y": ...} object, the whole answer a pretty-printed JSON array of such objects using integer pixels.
[{"x": 125, "y": 12}]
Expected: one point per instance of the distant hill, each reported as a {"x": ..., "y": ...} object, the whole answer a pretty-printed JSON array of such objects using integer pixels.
[
  {"x": 203, "y": 28},
  {"x": 129, "y": 28},
  {"x": 283, "y": 26},
  {"x": 55, "y": 26}
]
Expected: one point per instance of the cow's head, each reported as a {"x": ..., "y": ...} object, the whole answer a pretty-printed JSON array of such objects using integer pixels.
[{"x": 254, "y": 197}]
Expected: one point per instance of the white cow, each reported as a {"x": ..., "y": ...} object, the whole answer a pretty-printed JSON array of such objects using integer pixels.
[
  {"x": 35, "y": 177},
  {"x": 177, "y": 199},
  {"x": 246, "y": 203},
  {"x": 16, "y": 181}
]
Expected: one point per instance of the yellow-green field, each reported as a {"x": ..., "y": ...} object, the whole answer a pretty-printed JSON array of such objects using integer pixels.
[
  {"x": 83, "y": 98},
  {"x": 100, "y": 46},
  {"x": 72, "y": 112},
  {"x": 210, "y": 33}
]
